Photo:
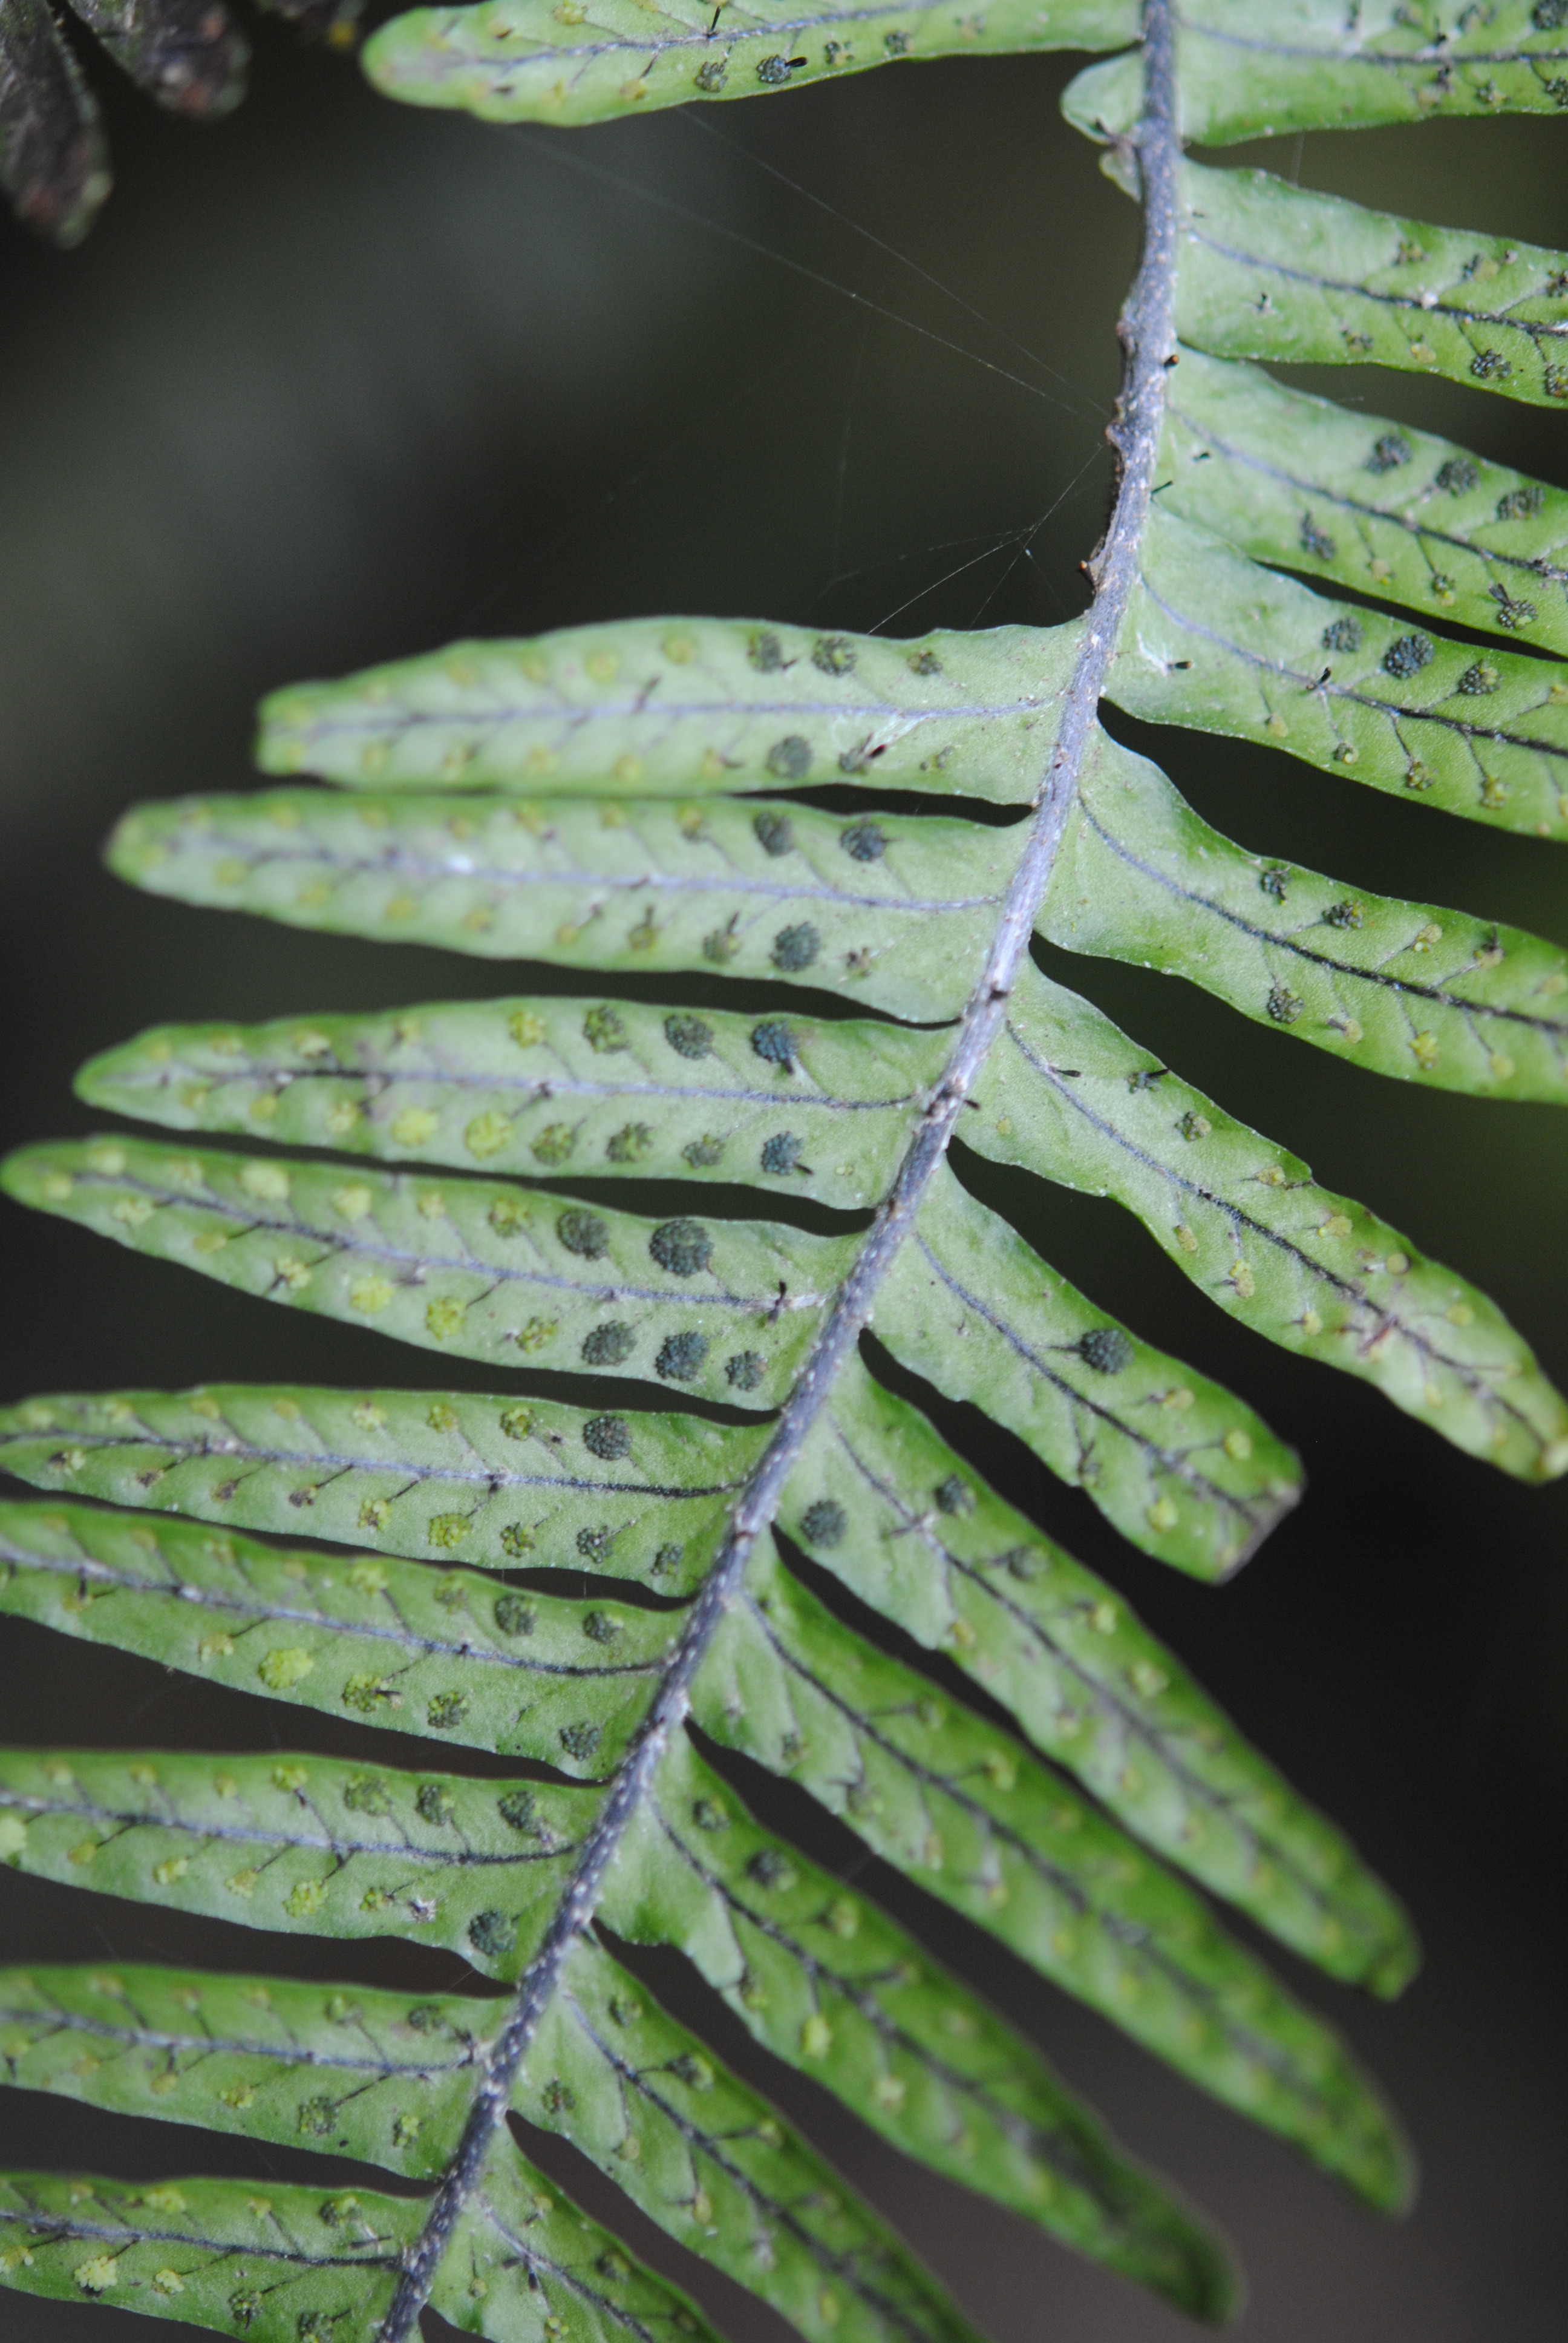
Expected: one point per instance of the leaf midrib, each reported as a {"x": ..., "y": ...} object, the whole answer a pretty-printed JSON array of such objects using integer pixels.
[{"x": 1148, "y": 337}]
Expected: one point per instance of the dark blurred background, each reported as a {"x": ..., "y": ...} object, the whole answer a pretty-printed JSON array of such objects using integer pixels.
[{"x": 336, "y": 382}]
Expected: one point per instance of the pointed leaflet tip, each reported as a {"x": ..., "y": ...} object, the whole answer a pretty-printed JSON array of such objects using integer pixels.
[
  {"x": 524, "y": 61},
  {"x": 1410, "y": 990},
  {"x": 1183, "y": 1468},
  {"x": 476, "y": 1269},
  {"x": 1244, "y": 1219},
  {"x": 686, "y": 708},
  {"x": 974, "y": 1820},
  {"x": 614, "y": 2073},
  {"x": 598, "y": 1090},
  {"x": 484, "y": 1480}
]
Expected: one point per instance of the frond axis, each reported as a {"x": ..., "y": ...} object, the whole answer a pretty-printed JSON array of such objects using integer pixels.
[{"x": 1148, "y": 335}]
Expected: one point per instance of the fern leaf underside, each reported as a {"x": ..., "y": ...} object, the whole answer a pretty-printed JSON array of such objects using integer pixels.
[{"x": 640, "y": 1602}]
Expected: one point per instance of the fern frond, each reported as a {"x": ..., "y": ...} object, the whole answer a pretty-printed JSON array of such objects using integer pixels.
[
  {"x": 1412, "y": 990},
  {"x": 523, "y": 61},
  {"x": 897, "y": 910},
  {"x": 497, "y": 1483},
  {"x": 1181, "y": 1468},
  {"x": 685, "y": 708},
  {"x": 481, "y": 1270},
  {"x": 642, "y": 800},
  {"x": 1219, "y": 643},
  {"x": 1314, "y": 64},
  {"x": 1245, "y": 1219},
  {"x": 877, "y": 1499},
  {"x": 1359, "y": 501},
  {"x": 1273, "y": 271},
  {"x": 600, "y": 1090}
]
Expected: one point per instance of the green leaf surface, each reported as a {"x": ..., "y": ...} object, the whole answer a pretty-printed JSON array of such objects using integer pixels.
[
  {"x": 385, "y": 2078},
  {"x": 713, "y": 2163},
  {"x": 1183, "y": 1468},
  {"x": 439, "y": 1653},
  {"x": 480, "y": 1269},
  {"x": 833, "y": 1987},
  {"x": 1217, "y": 644},
  {"x": 1428, "y": 995},
  {"x": 280, "y": 2264},
  {"x": 895, "y": 912},
  {"x": 974, "y": 1819},
  {"x": 1358, "y": 500},
  {"x": 1273, "y": 271},
  {"x": 311, "y": 1846},
  {"x": 686, "y": 708},
  {"x": 602, "y": 1089},
  {"x": 1071, "y": 1097},
  {"x": 1318, "y": 65},
  {"x": 526, "y": 2265},
  {"x": 494, "y": 1482},
  {"x": 902, "y": 1746},
  {"x": 521, "y": 61},
  {"x": 627, "y": 801},
  {"x": 882, "y": 1501}
]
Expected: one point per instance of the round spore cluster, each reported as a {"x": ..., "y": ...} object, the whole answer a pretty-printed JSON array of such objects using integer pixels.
[
  {"x": 584, "y": 1233},
  {"x": 609, "y": 1345},
  {"x": 682, "y": 1247},
  {"x": 796, "y": 948},
  {"x": 680, "y": 1357},
  {"x": 1106, "y": 1349},
  {"x": 689, "y": 1037},
  {"x": 774, "y": 1044},
  {"x": 1407, "y": 657},
  {"x": 781, "y": 1154}
]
